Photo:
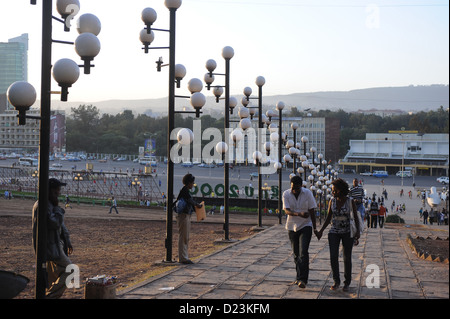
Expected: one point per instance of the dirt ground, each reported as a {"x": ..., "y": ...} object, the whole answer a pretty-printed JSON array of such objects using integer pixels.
[{"x": 132, "y": 250}]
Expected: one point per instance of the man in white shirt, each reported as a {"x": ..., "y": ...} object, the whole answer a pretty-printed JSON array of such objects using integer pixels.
[{"x": 299, "y": 204}]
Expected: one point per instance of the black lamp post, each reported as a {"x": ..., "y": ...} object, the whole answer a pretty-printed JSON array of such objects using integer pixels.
[
  {"x": 65, "y": 72},
  {"x": 260, "y": 81},
  {"x": 176, "y": 73},
  {"x": 280, "y": 107},
  {"x": 227, "y": 54}
]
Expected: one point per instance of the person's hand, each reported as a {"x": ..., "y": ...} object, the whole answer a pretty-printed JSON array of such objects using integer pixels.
[
  {"x": 69, "y": 249},
  {"x": 304, "y": 214},
  {"x": 199, "y": 205}
]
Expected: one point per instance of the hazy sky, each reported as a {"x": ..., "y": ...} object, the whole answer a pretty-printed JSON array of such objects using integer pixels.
[{"x": 297, "y": 45}]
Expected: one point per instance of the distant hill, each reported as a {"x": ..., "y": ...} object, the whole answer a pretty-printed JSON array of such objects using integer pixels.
[{"x": 407, "y": 99}]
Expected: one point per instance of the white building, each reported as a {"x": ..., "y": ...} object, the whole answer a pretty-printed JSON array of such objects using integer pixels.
[{"x": 426, "y": 154}]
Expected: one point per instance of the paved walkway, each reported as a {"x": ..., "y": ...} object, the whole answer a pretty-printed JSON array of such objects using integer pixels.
[{"x": 262, "y": 267}]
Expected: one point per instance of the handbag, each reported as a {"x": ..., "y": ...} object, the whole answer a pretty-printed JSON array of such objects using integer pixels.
[
  {"x": 353, "y": 228},
  {"x": 181, "y": 206}
]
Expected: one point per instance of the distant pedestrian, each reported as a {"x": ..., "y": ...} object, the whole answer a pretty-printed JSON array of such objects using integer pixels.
[
  {"x": 374, "y": 210},
  {"x": 113, "y": 205},
  {"x": 222, "y": 208},
  {"x": 357, "y": 194},
  {"x": 184, "y": 218},
  {"x": 381, "y": 215},
  {"x": 425, "y": 217},
  {"x": 67, "y": 204}
]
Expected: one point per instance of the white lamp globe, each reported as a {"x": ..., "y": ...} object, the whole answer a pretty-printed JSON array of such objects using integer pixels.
[
  {"x": 252, "y": 111},
  {"x": 293, "y": 151},
  {"x": 233, "y": 102},
  {"x": 280, "y": 106},
  {"x": 21, "y": 95},
  {"x": 291, "y": 176},
  {"x": 198, "y": 100},
  {"x": 268, "y": 146},
  {"x": 245, "y": 123},
  {"x": 257, "y": 155},
  {"x": 195, "y": 85},
  {"x": 218, "y": 91},
  {"x": 149, "y": 16},
  {"x": 247, "y": 91},
  {"x": 66, "y": 72},
  {"x": 146, "y": 38},
  {"x": 260, "y": 81},
  {"x": 294, "y": 126},
  {"x": 211, "y": 65},
  {"x": 287, "y": 158},
  {"x": 221, "y": 147},
  {"x": 277, "y": 165},
  {"x": 274, "y": 137},
  {"x": 227, "y": 52},
  {"x": 87, "y": 45},
  {"x": 300, "y": 170},
  {"x": 304, "y": 139},
  {"x": 185, "y": 136},
  {"x": 273, "y": 128},
  {"x": 236, "y": 135},
  {"x": 245, "y": 102},
  {"x": 289, "y": 144},
  {"x": 243, "y": 112},
  {"x": 180, "y": 71},
  {"x": 313, "y": 149},
  {"x": 67, "y": 7},
  {"x": 89, "y": 22},
  {"x": 172, "y": 4},
  {"x": 209, "y": 78}
]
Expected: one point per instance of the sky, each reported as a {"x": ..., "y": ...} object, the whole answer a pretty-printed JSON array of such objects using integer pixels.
[{"x": 298, "y": 46}]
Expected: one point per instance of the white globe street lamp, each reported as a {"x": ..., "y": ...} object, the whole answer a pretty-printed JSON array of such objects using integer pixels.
[{"x": 66, "y": 72}]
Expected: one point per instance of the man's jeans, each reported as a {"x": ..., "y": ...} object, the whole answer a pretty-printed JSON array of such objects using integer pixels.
[
  {"x": 300, "y": 244},
  {"x": 360, "y": 208},
  {"x": 347, "y": 244}
]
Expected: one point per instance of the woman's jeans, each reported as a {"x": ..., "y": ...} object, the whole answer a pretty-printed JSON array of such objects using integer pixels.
[
  {"x": 347, "y": 243},
  {"x": 300, "y": 244}
]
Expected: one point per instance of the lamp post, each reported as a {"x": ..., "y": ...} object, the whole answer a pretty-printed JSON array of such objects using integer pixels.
[
  {"x": 260, "y": 81},
  {"x": 280, "y": 107},
  {"x": 176, "y": 73},
  {"x": 65, "y": 72},
  {"x": 78, "y": 178},
  {"x": 227, "y": 54},
  {"x": 35, "y": 175}
]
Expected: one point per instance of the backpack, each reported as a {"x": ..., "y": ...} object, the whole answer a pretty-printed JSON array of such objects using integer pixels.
[{"x": 181, "y": 206}]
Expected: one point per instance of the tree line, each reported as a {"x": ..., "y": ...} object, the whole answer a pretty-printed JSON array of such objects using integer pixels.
[{"x": 124, "y": 133}]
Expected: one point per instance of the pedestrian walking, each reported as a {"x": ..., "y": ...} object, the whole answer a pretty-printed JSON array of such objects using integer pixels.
[
  {"x": 299, "y": 205},
  {"x": 58, "y": 243},
  {"x": 425, "y": 217},
  {"x": 374, "y": 210},
  {"x": 339, "y": 210},
  {"x": 67, "y": 204},
  {"x": 381, "y": 215},
  {"x": 113, "y": 205},
  {"x": 184, "y": 218},
  {"x": 357, "y": 194}
]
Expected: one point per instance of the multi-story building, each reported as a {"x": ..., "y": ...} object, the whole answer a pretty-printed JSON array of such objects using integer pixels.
[
  {"x": 425, "y": 154},
  {"x": 13, "y": 61},
  {"x": 16, "y": 138},
  {"x": 323, "y": 134}
]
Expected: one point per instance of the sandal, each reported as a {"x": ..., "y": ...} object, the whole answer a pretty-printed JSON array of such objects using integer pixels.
[{"x": 335, "y": 286}]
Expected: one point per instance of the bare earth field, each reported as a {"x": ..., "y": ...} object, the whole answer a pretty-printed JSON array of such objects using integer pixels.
[{"x": 132, "y": 250}]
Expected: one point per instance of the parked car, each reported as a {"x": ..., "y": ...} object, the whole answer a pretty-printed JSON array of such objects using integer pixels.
[
  {"x": 442, "y": 179},
  {"x": 366, "y": 174},
  {"x": 380, "y": 174},
  {"x": 187, "y": 164},
  {"x": 57, "y": 165},
  {"x": 254, "y": 174},
  {"x": 404, "y": 174}
]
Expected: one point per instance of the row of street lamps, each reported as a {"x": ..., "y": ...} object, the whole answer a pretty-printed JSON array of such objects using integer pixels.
[{"x": 22, "y": 96}]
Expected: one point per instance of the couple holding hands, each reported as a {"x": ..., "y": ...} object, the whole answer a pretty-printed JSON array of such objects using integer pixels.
[{"x": 299, "y": 205}]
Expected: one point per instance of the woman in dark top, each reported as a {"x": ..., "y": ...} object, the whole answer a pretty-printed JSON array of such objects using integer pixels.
[
  {"x": 339, "y": 210},
  {"x": 184, "y": 219}
]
